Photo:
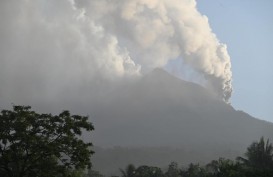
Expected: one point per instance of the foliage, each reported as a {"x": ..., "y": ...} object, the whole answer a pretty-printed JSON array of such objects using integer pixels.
[
  {"x": 259, "y": 155},
  {"x": 224, "y": 168},
  {"x": 258, "y": 162},
  {"x": 147, "y": 171},
  {"x": 33, "y": 144},
  {"x": 129, "y": 171},
  {"x": 142, "y": 171},
  {"x": 259, "y": 158},
  {"x": 194, "y": 170},
  {"x": 173, "y": 170}
]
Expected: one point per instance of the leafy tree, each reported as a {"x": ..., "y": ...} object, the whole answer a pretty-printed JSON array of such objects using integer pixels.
[
  {"x": 194, "y": 170},
  {"x": 173, "y": 170},
  {"x": 147, "y": 171},
  {"x": 259, "y": 159},
  {"x": 259, "y": 155},
  {"x": 33, "y": 144},
  {"x": 129, "y": 171},
  {"x": 224, "y": 168},
  {"x": 258, "y": 163}
]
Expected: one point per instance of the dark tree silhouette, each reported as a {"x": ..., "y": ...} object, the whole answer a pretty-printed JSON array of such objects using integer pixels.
[
  {"x": 33, "y": 144},
  {"x": 258, "y": 163},
  {"x": 259, "y": 155},
  {"x": 224, "y": 168},
  {"x": 194, "y": 170},
  {"x": 147, "y": 171},
  {"x": 173, "y": 170},
  {"x": 259, "y": 159},
  {"x": 129, "y": 171}
]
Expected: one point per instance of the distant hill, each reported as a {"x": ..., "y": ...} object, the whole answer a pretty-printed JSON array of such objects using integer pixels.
[{"x": 160, "y": 118}]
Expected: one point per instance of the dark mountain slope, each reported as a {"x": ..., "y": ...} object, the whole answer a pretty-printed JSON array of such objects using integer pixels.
[{"x": 160, "y": 110}]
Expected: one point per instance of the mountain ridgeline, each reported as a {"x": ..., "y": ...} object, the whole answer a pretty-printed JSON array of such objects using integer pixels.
[{"x": 160, "y": 119}]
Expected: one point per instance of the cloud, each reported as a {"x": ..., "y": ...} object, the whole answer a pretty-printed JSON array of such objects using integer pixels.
[
  {"x": 155, "y": 32},
  {"x": 48, "y": 47},
  {"x": 51, "y": 50}
]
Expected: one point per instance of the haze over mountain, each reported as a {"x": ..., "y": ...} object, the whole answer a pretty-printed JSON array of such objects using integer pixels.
[{"x": 160, "y": 110}]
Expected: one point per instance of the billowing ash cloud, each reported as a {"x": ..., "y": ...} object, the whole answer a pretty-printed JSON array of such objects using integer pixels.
[{"x": 48, "y": 47}]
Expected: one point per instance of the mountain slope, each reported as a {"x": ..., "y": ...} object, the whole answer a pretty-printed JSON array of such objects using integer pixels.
[{"x": 160, "y": 110}]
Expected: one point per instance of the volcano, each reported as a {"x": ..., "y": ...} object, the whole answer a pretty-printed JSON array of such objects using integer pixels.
[{"x": 161, "y": 118}]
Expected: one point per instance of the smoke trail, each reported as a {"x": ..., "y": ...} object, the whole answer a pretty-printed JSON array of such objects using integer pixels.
[
  {"x": 47, "y": 46},
  {"x": 156, "y": 31}
]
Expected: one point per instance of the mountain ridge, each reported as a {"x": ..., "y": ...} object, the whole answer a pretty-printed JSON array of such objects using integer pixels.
[
  {"x": 160, "y": 110},
  {"x": 162, "y": 97}
]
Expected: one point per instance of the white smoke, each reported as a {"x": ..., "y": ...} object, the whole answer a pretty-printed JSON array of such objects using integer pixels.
[
  {"x": 156, "y": 31},
  {"x": 46, "y": 45}
]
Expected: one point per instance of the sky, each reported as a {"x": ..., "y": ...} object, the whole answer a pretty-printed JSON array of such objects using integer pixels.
[
  {"x": 58, "y": 54},
  {"x": 246, "y": 27}
]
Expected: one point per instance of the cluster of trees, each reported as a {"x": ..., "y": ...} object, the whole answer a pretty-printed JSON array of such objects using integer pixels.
[
  {"x": 258, "y": 162},
  {"x": 45, "y": 145}
]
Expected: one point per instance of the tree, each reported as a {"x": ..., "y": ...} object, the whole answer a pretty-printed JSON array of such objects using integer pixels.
[
  {"x": 129, "y": 171},
  {"x": 147, "y": 171},
  {"x": 33, "y": 144},
  {"x": 259, "y": 159},
  {"x": 173, "y": 170},
  {"x": 194, "y": 170},
  {"x": 259, "y": 155},
  {"x": 224, "y": 168}
]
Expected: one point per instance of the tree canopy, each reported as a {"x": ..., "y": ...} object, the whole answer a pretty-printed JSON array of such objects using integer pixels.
[
  {"x": 258, "y": 162},
  {"x": 259, "y": 158},
  {"x": 33, "y": 144}
]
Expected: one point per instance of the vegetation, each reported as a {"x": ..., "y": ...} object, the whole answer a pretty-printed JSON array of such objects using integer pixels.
[
  {"x": 129, "y": 171},
  {"x": 33, "y": 144},
  {"x": 258, "y": 162},
  {"x": 43, "y": 145}
]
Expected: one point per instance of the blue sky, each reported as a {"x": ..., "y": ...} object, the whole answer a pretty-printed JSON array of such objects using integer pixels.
[{"x": 246, "y": 27}]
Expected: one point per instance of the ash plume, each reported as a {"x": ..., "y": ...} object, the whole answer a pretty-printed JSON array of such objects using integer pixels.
[{"x": 49, "y": 46}]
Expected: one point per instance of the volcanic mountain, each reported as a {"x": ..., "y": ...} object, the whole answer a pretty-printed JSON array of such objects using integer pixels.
[{"x": 160, "y": 118}]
